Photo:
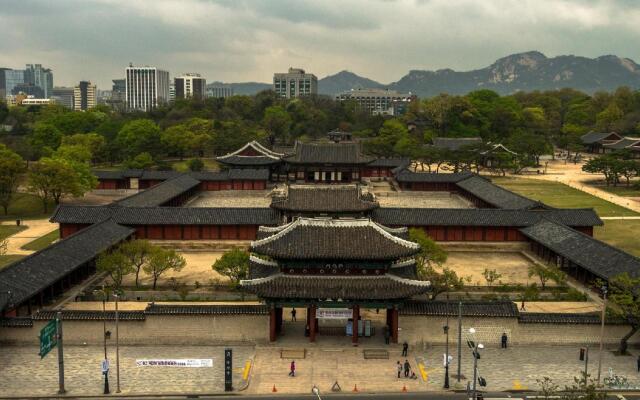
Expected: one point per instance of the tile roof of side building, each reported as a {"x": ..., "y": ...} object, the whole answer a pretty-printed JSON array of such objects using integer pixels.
[
  {"x": 28, "y": 276},
  {"x": 325, "y": 238},
  {"x": 495, "y": 195},
  {"x": 591, "y": 254},
  {"x": 324, "y": 199},
  {"x": 327, "y": 153},
  {"x": 160, "y": 193},
  {"x": 264, "y": 157},
  {"x": 593, "y": 137},
  {"x": 623, "y": 143}
]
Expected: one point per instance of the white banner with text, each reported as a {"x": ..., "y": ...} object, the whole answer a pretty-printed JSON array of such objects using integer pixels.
[{"x": 180, "y": 362}]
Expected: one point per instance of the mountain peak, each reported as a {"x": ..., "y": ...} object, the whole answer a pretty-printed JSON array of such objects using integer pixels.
[{"x": 526, "y": 59}]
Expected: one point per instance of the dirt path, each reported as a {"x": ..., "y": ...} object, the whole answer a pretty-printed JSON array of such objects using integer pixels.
[
  {"x": 573, "y": 176},
  {"x": 35, "y": 228}
]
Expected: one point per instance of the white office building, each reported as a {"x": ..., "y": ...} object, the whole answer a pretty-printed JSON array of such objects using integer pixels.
[
  {"x": 85, "y": 96},
  {"x": 146, "y": 88},
  {"x": 295, "y": 83},
  {"x": 190, "y": 86}
]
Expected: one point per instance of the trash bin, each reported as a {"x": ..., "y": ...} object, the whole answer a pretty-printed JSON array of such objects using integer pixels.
[
  {"x": 18, "y": 222},
  {"x": 582, "y": 353}
]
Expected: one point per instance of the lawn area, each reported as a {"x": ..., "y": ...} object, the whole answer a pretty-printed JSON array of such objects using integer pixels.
[
  {"x": 8, "y": 259},
  {"x": 620, "y": 233},
  {"x": 42, "y": 242},
  {"x": 27, "y": 206},
  {"x": 623, "y": 190},
  {"x": 560, "y": 195},
  {"x": 8, "y": 230},
  {"x": 209, "y": 165}
]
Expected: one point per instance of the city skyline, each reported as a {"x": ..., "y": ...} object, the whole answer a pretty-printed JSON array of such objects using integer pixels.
[{"x": 248, "y": 41}]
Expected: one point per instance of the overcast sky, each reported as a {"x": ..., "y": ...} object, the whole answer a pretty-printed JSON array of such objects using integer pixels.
[{"x": 247, "y": 40}]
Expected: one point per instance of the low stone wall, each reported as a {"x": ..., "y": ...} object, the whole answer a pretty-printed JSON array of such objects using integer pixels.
[
  {"x": 154, "y": 329},
  {"x": 418, "y": 329}
]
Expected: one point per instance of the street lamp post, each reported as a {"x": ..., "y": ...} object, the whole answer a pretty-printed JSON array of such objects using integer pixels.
[
  {"x": 104, "y": 338},
  {"x": 477, "y": 346},
  {"x": 602, "y": 318},
  {"x": 459, "y": 339},
  {"x": 446, "y": 357},
  {"x": 117, "y": 348},
  {"x": 316, "y": 391}
]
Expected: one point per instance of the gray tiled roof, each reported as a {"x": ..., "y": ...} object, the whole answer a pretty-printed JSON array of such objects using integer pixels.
[
  {"x": 28, "y": 276},
  {"x": 481, "y": 217},
  {"x": 248, "y": 160},
  {"x": 409, "y": 176},
  {"x": 593, "y": 255},
  {"x": 623, "y": 143},
  {"x": 558, "y": 318},
  {"x": 381, "y": 287},
  {"x": 469, "y": 309},
  {"x": 16, "y": 322},
  {"x": 327, "y": 153},
  {"x": 256, "y": 174},
  {"x": 207, "y": 309},
  {"x": 160, "y": 193},
  {"x": 593, "y": 137},
  {"x": 324, "y": 199},
  {"x": 332, "y": 239},
  {"x": 391, "y": 162},
  {"x": 455, "y": 143},
  {"x": 90, "y": 315},
  {"x": 495, "y": 195},
  {"x": 166, "y": 215}
]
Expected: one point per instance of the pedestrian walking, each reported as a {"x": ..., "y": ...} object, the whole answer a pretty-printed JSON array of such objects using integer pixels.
[
  {"x": 293, "y": 314},
  {"x": 503, "y": 340},
  {"x": 522, "y": 307},
  {"x": 292, "y": 369},
  {"x": 399, "y": 368},
  {"x": 638, "y": 362},
  {"x": 407, "y": 368},
  {"x": 405, "y": 349},
  {"x": 387, "y": 335}
]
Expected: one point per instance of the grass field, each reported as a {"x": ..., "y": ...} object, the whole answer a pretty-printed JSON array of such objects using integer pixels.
[
  {"x": 8, "y": 230},
  {"x": 8, "y": 259},
  {"x": 623, "y": 191},
  {"x": 42, "y": 242},
  {"x": 562, "y": 196},
  {"x": 27, "y": 206},
  {"x": 620, "y": 233}
]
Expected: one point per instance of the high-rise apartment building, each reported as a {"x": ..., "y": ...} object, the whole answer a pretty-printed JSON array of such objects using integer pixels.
[
  {"x": 63, "y": 96},
  {"x": 295, "y": 83},
  {"x": 219, "y": 91},
  {"x": 41, "y": 77},
  {"x": 146, "y": 88},
  {"x": 190, "y": 86},
  {"x": 85, "y": 96},
  {"x": 9, "y": 78},
  {"x": 378, "y": 101}
]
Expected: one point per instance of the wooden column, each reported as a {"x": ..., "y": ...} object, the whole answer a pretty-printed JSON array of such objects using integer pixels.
[
  {"x": 272, "y": 324},
  {"x": 394, "y": 325},
  {"x": 356, "y": 315},
  {"x": 278, "y": 320},
  {"x": 312, "y": 324}
]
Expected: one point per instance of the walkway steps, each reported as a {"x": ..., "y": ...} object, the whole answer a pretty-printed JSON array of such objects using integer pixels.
[{"x": 375, "y": 354}]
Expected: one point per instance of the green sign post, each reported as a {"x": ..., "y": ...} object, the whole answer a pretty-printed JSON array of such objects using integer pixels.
[{"x": 48, "y": 338}]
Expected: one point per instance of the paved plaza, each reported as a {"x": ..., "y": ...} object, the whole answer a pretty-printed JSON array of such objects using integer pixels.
[
  {"x": 22, "y": 372},
  {"x": 423, "y": 200},
  {"x": 513, "y": 368},
  {"x": 231, "y": 198}
]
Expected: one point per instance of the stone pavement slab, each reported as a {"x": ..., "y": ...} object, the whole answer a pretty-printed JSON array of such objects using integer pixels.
[
  {"x": 513, "y": 368},
  {"x": 22, "y": 373}
]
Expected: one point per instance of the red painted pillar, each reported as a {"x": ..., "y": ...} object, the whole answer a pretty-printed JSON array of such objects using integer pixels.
[
  {"x": 312, "y": 324},
  {"x": 272, "y": 324},
  {"x": 356, "y": 315},
  {"x": 394, "y": 325}
]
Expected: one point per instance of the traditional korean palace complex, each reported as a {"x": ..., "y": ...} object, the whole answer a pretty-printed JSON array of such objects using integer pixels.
[{"x": 319, "y": 238}]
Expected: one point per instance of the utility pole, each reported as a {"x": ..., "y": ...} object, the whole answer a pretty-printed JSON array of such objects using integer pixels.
[
  {"x": 104, "y": 338},
  {"x": 459, "y": 338},
  {"x": 117, "y": 349},
  {"x": 61, "y": 389},
  {"x": 602, "y": 317},
  {"x": 446, "y": 357},
  {"x": 586, "y": 365}
]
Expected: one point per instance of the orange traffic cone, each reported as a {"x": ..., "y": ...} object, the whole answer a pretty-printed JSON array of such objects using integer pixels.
[
  {"x": 274, "y": 389},
  {"x": 355, "y": 388},
  {"x": 404, "y": 388}
]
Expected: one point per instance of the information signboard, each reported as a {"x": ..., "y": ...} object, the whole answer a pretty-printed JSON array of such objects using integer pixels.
[
  {"x": 228, "y": 371},
  {"x": 48, "y": 338}
]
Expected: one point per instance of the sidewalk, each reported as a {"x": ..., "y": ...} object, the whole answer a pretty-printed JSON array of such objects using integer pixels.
[
  {"x": 513, "y": 368},
  {"x": 35, "y": 228}
]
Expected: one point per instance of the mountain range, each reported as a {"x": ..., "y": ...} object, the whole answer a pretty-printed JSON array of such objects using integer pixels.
[{"x": 518, "y": 72}]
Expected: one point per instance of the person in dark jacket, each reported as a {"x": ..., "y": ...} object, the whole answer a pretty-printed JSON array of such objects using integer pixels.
[
  {"x": 405, "y": 349},
  {"x": 407, "y": 368},
  {"x": 503, "y": 340},
  {"x": 638, "y": 362},
  {"x": 292, "y": 369}
]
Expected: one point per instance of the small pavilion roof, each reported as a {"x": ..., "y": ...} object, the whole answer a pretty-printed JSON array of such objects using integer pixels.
[
  {"x": 259, "y": 155},
  {"x": 594, "y": 137},
  {"x": 324, "y": 199},
  {"x": 377, "y": 287},
  {"x": 325, "y": 238},
  {"x": 327, "y": 153}
]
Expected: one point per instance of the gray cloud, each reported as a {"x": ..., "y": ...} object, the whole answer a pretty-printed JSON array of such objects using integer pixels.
[{"x": 241, "y": 40}]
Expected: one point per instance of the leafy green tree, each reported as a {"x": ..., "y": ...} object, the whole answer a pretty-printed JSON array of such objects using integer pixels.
[
  {"x": 139, "y": 136},
  {"x": 429, "y": 263},
  {"x": 277, "y": 122},
  {"x": 606, "y": 119},
  {"x": 55, "y": 178},
  {"x": 584, "y": 388},
  {"x": 141, "y": 161},
  {"x": 548, "y": 388},
  {"x": 161, "y": 261},
  {"x": 544, "y": 274},
  {"x": 384, "y": 144},
  {"x": 491, "y": 275},
  {"x": 74, "y": 152},
  {"x": 12, "y": 166},
  {"x": 45, "y": 138},
  {"x": 234, "y": 264},
  {"x": 195, "y": 164},
  {"x": 137, "y": 254},
  {"x": 178, "y": 139},
  {"x": 95, "y": 143},
  {"x": 116, "y": 266},
  {"x": 624, "y": 293}
]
